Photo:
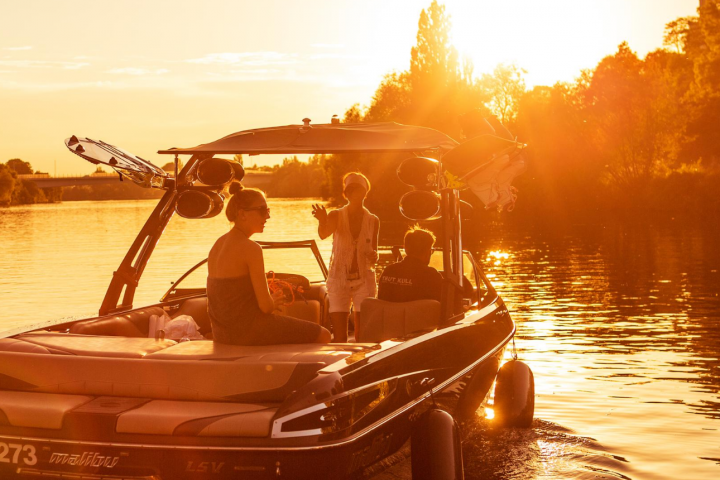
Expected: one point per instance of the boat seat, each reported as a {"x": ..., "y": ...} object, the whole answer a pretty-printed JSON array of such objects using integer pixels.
[
  {"x": 208, "y": 350},
  {"x": 94, "y": 346},
  {"x": 381, "y": 320},
  {"x": 135, "y": 323},
  {"x": 15, "y": 345},
  {"x": 313, "y": 292},
  {"x": 263, "y": 381},
  {"x": 197, "y": 309},
  {"x": 204, "y": 419},
  {"x": 39, "y": 410}
]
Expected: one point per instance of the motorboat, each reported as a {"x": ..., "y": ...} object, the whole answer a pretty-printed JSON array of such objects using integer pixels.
[{"x": 112, "y": 397}]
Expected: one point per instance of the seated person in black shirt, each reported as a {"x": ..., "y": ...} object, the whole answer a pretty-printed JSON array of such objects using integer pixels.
[{"x": 412, "y": 278}]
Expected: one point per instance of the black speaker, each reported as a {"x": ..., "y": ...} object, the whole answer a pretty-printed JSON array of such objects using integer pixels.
[
  {"x": 419, "y": 172},
  {"x": 199, "y": 204},
  {"x": 218, "y": 172},
  {"x": 420, "y": 205}
]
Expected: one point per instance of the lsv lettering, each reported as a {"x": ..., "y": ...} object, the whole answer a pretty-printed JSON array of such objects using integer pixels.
[{"x": 213, "y": 467}]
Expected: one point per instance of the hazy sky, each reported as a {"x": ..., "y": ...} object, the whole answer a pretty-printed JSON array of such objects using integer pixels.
[{"x": 154, "y": 74}]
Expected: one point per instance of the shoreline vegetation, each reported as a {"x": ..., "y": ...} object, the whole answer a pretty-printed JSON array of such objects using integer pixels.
[{"x": 631, "y": 137}]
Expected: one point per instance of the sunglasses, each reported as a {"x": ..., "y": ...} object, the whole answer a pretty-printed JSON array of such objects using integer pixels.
[{"x": 262, "y": 209}]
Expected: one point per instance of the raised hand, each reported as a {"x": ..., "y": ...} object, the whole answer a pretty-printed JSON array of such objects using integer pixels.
[{"x": 319, "y": 212}]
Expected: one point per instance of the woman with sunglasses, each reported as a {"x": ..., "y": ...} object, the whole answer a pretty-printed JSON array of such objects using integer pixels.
[
  {"x": 239, "y": 301},
  {"x": 351, "y": 277}
]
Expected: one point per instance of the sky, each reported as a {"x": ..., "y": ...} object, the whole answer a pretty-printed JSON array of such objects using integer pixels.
[{"x": 154, "y": 74}]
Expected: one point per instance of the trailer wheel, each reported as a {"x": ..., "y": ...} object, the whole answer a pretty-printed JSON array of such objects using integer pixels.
[
  {"x": 514, "y": 395},
  {"x": 436, "y": 449}
]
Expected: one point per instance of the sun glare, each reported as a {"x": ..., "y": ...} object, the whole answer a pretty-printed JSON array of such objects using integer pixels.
[
  {"x": 497, "y": 257},
  {"x": 550, "y": 40}
]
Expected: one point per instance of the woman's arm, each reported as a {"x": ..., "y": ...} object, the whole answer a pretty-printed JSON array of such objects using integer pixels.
[
  {"x": 376, "y": 234},
  {"x": 327, "y": 222},
  {"x": 256, "y": 268},
  {"x": 372, "y": 255}
]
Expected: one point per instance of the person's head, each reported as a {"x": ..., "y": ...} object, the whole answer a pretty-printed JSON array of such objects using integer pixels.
[
  {"x": 247, "y": 208},
  {"x": 419, "y": 244},
  {"x": 355, "y": 186}
]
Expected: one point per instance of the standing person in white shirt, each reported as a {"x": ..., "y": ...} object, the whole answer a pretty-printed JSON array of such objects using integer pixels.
[{"x": 351, "y": 277}]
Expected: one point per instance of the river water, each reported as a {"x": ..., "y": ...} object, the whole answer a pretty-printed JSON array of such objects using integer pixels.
[{"x": 620, "y": 324}]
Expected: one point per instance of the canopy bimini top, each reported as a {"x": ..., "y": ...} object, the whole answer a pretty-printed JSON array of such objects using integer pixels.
[{"x": 326, "y": 138}]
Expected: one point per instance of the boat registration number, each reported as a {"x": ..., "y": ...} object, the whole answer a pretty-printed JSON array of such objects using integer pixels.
[{"x": 17, "y": 453}]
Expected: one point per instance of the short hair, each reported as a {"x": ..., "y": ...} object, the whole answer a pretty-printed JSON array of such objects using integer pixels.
[
  {"x": 241, "y": 198},
  {"x": 418, "y": 240}
]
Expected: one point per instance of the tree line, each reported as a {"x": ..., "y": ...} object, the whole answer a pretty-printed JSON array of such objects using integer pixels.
[
  {"x": 16, "y": 191},
  {"x": 632, "y": 135}
]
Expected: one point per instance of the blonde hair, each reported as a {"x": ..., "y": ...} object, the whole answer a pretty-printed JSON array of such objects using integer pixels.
[{"x": 241, "y": 198}]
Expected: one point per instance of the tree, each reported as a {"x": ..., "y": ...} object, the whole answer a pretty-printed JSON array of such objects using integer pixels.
[
  {"x": 677, "y": 32},
  {"x": 7, "y": 185},
  {"x": 20, "y": 167},
  {"x": 298, "y": 179},
  {"x": 707, "y": 60},
  {"x": 391, "y": 101},
  {"x": 170, "y": 166},
  {"x": 703, "y": 45},
  {"x": 504, "y": 87},
  {"x": 353, "y": 114},
  {"x": 617, "y": 101},
  {"x": 561, "y": 171},
  {"x": 433, "y": 60}
]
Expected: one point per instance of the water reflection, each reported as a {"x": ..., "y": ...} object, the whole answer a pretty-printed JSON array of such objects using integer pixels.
[{"x": 621, "y": 328}]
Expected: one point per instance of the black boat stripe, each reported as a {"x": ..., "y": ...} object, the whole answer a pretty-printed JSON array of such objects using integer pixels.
[
  {"x": 4, "y": 419},
  {"x": 195, "y": 426},
  {"x": 11, "y": 383}
]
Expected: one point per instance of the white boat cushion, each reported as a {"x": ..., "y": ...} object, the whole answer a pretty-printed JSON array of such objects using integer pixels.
[
  {"x": 40, "y": 410},
  {"x": 96, "y": 346},
  {"x": 158, "y": 379},
  {"x": 129, "y": 324},
  {"x": 209, "y": 350},
  {"x": 161, "y": 417},
  {"x": 15, "y": 345}
]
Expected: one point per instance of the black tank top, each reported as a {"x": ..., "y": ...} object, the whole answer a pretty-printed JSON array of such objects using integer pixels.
[{"x": 232, "y": 307}]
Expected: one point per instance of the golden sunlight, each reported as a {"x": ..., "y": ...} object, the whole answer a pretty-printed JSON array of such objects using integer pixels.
[
  {"x": 554, "y": 40},
  {"x": 497, "y": 256}
]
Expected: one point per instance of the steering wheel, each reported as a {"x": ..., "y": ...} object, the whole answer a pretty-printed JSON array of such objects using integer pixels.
[{"x": 293, "y": 286}]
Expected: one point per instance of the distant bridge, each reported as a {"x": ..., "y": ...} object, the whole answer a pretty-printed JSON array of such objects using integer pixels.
[{"x": 253, "y": 178}]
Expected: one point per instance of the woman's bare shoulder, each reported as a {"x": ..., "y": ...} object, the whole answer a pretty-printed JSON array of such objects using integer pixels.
[
  {"x": 218, "y": 245},
  {"x": 231, "y": 255}
]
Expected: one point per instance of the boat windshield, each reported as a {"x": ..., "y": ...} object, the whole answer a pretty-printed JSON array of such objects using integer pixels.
[
  {"x": 297, "y": 258},
  {"x": 436, "y": 261}
]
